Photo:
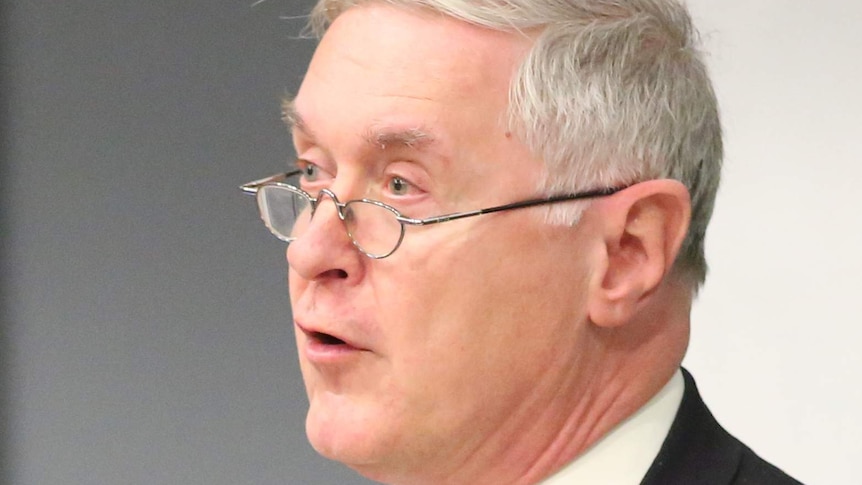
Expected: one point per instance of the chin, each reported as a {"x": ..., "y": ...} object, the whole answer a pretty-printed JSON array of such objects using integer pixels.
[
  {"x": 348, "y": 433},
  {"x": 367, "y": 440}
]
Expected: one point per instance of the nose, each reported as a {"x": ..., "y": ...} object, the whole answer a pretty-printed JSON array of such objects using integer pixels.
[{"x": 324, "y": 251}]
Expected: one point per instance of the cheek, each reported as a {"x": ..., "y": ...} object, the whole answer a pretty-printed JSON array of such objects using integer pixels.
[
  {"x": 466, "y": 319},
  {"x": 496, "y": 271}
]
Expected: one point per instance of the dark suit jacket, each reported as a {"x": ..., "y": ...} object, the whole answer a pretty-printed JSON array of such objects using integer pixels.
[{"x": 698, "y": 451}]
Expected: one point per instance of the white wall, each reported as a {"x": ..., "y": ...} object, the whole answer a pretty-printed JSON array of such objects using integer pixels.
[{"x": 776, "y": 335}]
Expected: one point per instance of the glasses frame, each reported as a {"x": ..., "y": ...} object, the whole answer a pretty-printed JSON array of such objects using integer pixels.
[{"x": 252, "y": 188}]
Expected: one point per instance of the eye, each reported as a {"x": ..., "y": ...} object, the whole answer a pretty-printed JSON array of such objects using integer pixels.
[
  {"x": 399, "y": 186},
  {"x": 310, "y": 172}
]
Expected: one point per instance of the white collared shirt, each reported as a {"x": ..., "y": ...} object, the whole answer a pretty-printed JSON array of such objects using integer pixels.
[{"x": 623, "y": 456}]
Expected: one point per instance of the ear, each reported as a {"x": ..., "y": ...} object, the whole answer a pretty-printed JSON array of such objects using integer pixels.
[{"x": 643, "y": 228}]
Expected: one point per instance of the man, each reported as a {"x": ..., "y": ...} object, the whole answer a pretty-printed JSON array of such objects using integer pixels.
[{"x": 534, "y": 332}]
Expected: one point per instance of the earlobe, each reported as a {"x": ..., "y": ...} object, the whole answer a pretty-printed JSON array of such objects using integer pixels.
[{"x": 643, "y": 228}]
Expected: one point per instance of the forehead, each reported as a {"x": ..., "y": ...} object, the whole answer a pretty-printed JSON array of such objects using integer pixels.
[{"x": 383, "y": 64}]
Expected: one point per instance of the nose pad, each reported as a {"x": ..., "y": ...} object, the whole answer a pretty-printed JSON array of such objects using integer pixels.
[
  {"x": 324, "y": 251},
  {"x": 317, "y": 218},
  {"x": 319, "y": 206},
  {"x": 333, "y": 198}
]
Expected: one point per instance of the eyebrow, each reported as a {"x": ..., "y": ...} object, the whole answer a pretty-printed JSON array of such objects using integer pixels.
[
  {"x": 381, "y": 138},
  {"x": 291, "y": 117}
]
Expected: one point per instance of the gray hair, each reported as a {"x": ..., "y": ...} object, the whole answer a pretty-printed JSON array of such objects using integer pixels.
[{"x": 612, "y": 92}]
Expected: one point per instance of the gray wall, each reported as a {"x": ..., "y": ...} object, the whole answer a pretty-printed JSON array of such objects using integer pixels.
[{"x": 147, "y": 336}]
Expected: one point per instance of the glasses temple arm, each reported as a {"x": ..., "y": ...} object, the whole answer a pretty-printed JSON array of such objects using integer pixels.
[
  {"x": 254, "y": 186},
  {"x": 515, "y": 205}
]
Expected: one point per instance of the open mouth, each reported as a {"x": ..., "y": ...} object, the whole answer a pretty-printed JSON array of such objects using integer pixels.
[{"x": 326, "y": 339}]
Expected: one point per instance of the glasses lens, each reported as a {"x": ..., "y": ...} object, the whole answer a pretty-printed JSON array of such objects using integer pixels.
[
  {"x": 374, "y": 228},
  {"x": 284, "y": 211}
]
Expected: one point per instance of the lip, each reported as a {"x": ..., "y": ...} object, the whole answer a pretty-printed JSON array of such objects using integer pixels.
[{"x": 324, "y": 347}]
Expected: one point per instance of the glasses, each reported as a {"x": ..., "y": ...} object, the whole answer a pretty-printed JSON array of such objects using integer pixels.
[{"x": 375, "y": 228}]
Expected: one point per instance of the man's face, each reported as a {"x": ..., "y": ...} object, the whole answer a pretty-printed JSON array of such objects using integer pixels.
[{"x": 447, "y": 348}]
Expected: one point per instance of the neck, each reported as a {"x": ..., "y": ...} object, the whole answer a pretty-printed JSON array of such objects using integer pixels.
[{"x": 606, "y": 386}]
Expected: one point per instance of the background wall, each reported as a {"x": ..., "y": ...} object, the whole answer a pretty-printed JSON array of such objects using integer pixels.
[
  {"x": 149, "y": 339},
  {"x": 145, "y": 329},
  {"x": 776, "y": 332}
]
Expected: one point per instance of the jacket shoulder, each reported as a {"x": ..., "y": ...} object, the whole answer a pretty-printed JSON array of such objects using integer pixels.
[
  {"x": 698, "y": 451},
  {"x": 754, "y": 470}
]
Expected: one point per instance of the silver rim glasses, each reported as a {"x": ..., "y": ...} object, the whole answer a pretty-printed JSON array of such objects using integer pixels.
[{"x": 375, "y": 228}]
